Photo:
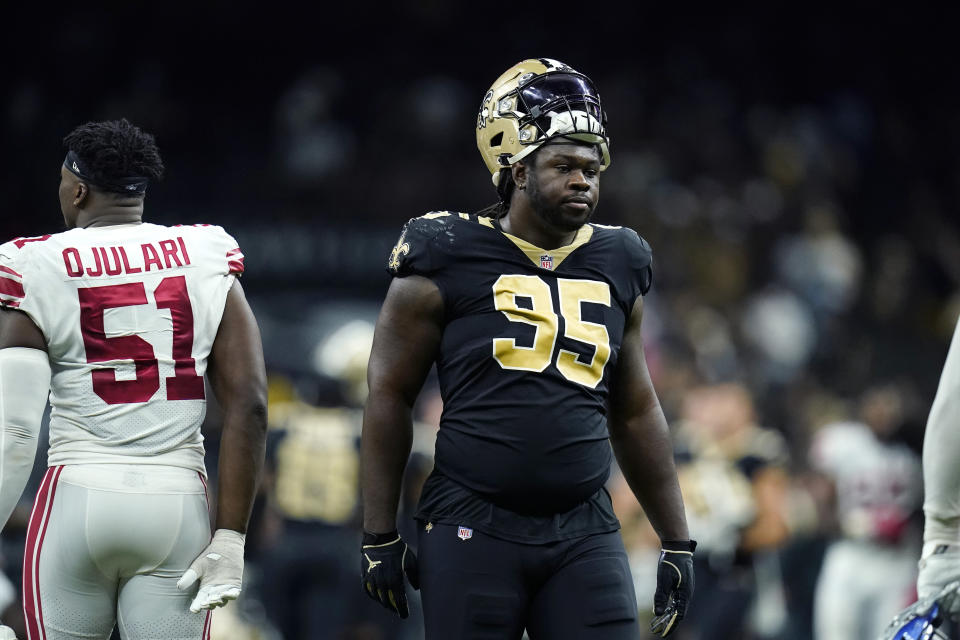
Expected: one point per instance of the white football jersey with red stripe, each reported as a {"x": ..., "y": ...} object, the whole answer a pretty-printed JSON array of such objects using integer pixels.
[
  {"x": 879, "y": 485},
  {"x": 129, "y": 314}
]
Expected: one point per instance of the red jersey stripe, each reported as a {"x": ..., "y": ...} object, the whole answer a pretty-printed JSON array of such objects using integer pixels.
[
  {"x": 11, "y": 287},
  {"x": 19, "y": 242}
]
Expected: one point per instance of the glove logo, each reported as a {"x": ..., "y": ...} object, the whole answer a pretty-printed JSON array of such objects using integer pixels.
[
  {"x": 373, "y": 563},
  {"x": 386, "y": 584},
  {"x": 464, "y": 533}
]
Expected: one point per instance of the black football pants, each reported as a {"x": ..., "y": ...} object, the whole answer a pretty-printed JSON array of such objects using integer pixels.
[{"x": 485, "y": 588}]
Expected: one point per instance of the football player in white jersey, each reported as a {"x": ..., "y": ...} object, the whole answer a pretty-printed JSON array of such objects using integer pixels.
[
  {"x": 867, "y": 574},
  {"x": 117, "y": 320},
  {"x": 939, "y": 576}
]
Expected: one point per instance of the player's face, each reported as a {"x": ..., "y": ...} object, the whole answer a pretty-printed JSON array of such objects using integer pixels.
[
  {"x": 68, "y": 190},
  {"x": 564, "y": 184}
]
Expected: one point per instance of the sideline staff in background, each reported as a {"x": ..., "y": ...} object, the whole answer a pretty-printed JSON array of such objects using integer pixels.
[
  {"x": 533, "y": 316},
  {"x": 118, "y": 319}
]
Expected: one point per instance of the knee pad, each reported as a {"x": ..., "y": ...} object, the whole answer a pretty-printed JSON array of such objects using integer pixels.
[{"x": 489, "y": 613}]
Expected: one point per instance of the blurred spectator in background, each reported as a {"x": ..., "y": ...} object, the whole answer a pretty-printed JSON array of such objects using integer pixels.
[
  {"x": 868, "y": 573},
  {"x": 312, "y": 520},
  {"x": 735, "y": 486}
]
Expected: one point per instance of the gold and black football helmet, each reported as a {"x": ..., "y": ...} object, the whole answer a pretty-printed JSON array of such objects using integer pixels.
[{"x": 534, "y": 101}]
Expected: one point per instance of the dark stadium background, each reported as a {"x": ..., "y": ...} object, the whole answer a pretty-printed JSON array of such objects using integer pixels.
[{"x": 313, "y": 133}]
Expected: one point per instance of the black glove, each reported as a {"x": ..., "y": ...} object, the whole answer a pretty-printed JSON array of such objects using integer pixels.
[
  {"x": 384, "y": 559},
  {"x": 674, "y": 585}
]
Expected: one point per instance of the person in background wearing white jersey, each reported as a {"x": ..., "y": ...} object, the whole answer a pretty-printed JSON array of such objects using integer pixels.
[
  {"x": 119, "y": 320},
  {"x": 868, "y": 570}
]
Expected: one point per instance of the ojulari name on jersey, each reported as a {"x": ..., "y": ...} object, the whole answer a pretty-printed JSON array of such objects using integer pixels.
[{"x": 114, "y": 261}]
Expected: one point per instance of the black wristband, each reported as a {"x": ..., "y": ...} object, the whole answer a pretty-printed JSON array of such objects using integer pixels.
[
  {"x": 679, "y": 545},
  {"x": 379, "y": 538}
]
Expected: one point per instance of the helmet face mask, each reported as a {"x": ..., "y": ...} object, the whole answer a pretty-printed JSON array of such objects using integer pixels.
[{"x": 536, "y": 101}]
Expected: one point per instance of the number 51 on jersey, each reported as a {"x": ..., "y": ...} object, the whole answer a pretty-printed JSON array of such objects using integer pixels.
[{"x": 170, "y": 294}]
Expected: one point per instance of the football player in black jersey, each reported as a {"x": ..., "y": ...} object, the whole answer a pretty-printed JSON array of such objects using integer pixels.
[{"x": 532, "y": 315}]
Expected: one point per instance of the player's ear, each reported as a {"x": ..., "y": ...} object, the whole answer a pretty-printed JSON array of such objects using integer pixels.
[
  {"x": 81, "y": 194},
  {"x": 519, "y": 172}
]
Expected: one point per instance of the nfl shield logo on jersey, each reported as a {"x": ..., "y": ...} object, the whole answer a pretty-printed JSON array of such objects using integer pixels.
[
  {"x": 546, "y": 261},
  {"x": 464, "y": 533}
]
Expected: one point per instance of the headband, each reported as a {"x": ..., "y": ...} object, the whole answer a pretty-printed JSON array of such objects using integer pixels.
[{"x": 133, "y": 185}]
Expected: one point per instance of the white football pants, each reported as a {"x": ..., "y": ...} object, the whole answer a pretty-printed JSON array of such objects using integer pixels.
[
  {"x": 106, "y": 545},
  {"x": 861, "y": 587}
]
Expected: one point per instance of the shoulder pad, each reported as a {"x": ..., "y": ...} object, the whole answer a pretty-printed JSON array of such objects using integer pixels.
[
  {"x": 223, "y": 242},
  {"x": 11, "y": 273},
  {"x": 417, "y": 250},
  {"x": 19, "y": 243}
]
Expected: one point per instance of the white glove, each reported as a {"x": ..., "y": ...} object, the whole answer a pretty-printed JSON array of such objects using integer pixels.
[
  {"x": 6, "y": 633},
  {"x": 219, "y": 569},
  {"x": 939, "y": 566}
]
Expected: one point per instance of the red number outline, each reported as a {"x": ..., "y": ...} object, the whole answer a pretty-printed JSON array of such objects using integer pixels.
[
  {"x": 185, "y": 384},
  {"x": 171, "y": 294}
]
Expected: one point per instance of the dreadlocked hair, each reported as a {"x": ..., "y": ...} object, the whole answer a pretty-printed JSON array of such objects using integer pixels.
[
  {"x": 115, "y": 149},
  {"x": 505, "y": 187}
]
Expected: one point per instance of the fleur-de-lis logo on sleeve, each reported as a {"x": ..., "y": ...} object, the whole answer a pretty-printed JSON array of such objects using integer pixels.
[{"x": 401, "y": 249}]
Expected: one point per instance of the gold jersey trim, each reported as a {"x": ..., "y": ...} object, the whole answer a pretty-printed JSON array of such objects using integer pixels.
[
  {"x": 538, "y": 256},
  {"x": 559, "y": 254}
]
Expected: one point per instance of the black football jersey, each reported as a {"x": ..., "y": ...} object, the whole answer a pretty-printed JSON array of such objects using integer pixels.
[{"x": 530, "y": 339}]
